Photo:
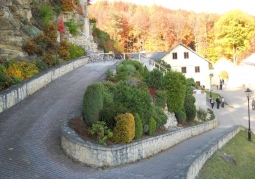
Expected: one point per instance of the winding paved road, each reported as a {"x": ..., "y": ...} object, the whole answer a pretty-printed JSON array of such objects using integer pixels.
[{"x": 30, "y": 135}]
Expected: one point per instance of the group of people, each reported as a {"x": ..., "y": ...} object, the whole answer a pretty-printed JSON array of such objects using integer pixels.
[{"x": 222, "y": 102}]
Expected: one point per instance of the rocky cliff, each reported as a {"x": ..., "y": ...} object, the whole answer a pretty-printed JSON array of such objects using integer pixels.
[{"x": 19, "y": 21}]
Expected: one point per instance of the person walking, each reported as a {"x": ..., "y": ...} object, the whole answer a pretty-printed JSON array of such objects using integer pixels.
[
  {"x": 218, "y": 102},
  {"x": 212, "y": 102},
  {"x": 222, "y": 102}
]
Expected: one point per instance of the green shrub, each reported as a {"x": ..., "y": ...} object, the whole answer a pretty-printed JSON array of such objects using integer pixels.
[
  {"x": 108, "y": 113},
  {"x": 180, "y": 116},
  {"x": 92, "y": 103},
  {"x": 155, "y": 79},
  {"x": 121, "y": 72},
  {"x": 136, "y": 100},
  {"x": 160, "y": 98},
  {"x": 76, "y": 51},
  {"x": 108, "y": 98},
  {"x": 159, "y": 116},
  {"x": 138, "y": 66},
  {"x": 138, "y": 126},
  {"x": 201, "y": 114},
  {"x": 73, "y": 28},
  {"x": 110, "y": 87},
  {"x": 47, "y": 13},
  {"x": 190, "y": 109},
  {"x": 163, "y": 63},
  {"x": 175, "y": 86},
  {"x": 101, "y": 131},
  {"x": 152, "y": 126},
  {"x": 191, "y": 82},
  {"x": 109, "y": 74},
  {"x": 124, "y": 131},
  {"x": 146, "y": 73}
]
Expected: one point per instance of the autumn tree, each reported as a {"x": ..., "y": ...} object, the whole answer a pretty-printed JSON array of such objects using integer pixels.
[{"x": 233, "y": 32}]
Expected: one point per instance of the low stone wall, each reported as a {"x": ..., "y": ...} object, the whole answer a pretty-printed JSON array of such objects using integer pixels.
[
  {"x": 200, "y": 157},
  {"x": 98, "y": 156},
  {"x": 17, "y": 93}
]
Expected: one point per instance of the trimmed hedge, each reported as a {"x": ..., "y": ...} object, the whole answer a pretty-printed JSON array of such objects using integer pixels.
[
  {"x": 175, "y": 86},
  {"x": 138, "y": 126},
  {"x": 92, "y": 103},
  {"x": 152, "y": 126},
  {"x": 124, "y": 131}
]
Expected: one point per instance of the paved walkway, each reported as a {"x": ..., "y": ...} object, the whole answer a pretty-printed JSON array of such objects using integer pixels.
[{"x": 30, "y": 135}]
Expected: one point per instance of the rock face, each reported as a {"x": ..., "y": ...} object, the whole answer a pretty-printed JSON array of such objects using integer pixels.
[
  {"x": 12, "y": 12},
  {"x": 16, "y": 14}
]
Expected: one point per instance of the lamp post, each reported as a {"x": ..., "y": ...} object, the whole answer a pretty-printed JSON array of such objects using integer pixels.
[
  {"x": 248, "y": 93},
  {"x": 211, "y": 75}
]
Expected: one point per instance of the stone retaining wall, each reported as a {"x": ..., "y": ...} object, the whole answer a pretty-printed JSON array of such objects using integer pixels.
[
  {"x": 17, "y": 93},
  {"x": 98, "y": 156},
  {"x": 201, "y": 156}
]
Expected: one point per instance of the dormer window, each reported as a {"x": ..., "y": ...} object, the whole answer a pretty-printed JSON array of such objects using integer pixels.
[
  {"x": 186, "y": 55},
  {"x": 174, "y": 55}
]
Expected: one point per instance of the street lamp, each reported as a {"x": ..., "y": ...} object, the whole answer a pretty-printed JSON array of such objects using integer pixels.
[
  {"x": 211, "y": 75},
  {"x": 248, "y": 93}
]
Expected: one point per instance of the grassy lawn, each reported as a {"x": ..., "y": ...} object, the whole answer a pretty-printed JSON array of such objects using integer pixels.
[
  {"x": 243, "y": 153},
  {"x": 214, "y": 95}
]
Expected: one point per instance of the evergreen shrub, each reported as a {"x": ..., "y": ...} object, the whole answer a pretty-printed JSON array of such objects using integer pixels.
[
  {"x": 180, "y": 116},
  {"x": 190, "y": 107},
  {"x": 160, "y": 98},
  {"x": 108, "y": 114},
  {"x": 175, "y": 86},
  {"x": 138, "y": 126},
  {"x": 92, "y": 103},
  {"x": 155, "y": 79},
  {"x": 152, "y": 126},
  {"x": 134, "y": 99},
  {"x": 159, "y": 116},
  {"x": 124, "y": 131}
]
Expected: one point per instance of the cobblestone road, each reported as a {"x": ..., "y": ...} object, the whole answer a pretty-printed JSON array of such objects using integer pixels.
[{"x": 30, "y": 136}]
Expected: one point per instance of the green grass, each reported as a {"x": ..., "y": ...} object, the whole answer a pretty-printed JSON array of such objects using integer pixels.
[
  {"x": 243, "y": 152},
  {"x": 214, "y": 95}
]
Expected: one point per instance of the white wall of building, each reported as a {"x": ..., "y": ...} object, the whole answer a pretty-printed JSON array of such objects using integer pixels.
[{"x": 190, "y": 64}]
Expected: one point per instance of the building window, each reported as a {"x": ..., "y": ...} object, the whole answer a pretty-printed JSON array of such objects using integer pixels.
[
  {"x": 197, "y": 69},
  {"x": 186, "y": 55},
  {"x": 198, "y": 83},
  {"x": 174, "y": 55},
  {"x": 184, "y": 70}
]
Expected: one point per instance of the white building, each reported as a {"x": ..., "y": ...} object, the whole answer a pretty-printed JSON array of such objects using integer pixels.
[
  {"x": 248, "y": 72},
  {"x": 192, "y": 65}
]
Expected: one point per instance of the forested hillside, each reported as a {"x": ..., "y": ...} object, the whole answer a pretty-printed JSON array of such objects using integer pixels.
[{"x": 155, "y": 28}]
